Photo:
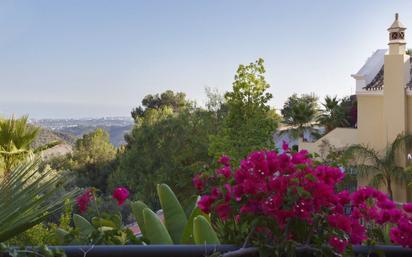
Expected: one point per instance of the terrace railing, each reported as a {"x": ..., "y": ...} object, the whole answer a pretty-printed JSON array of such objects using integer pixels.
[{"x": 207, "y": 250}]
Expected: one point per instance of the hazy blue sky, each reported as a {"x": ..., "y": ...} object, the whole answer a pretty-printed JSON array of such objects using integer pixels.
[{"x": 100, "y": 58}]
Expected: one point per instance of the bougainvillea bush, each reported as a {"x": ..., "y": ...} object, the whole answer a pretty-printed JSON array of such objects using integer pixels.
[{"x": 279, "y": 201}]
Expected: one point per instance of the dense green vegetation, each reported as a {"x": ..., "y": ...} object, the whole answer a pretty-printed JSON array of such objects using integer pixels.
[{"x": 172, "y": 139}]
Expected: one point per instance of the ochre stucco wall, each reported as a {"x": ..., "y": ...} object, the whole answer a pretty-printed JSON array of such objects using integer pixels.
[
  {"x": 370, "y": 121},
  {"x": 339, "y": 138},
  {"x": 409, "y": 114},
  {"x": 396, "y": 76}
]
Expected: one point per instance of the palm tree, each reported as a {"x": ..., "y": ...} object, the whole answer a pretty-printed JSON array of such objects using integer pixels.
[
  {"x": 299, "y": 114},
  {"x": 332, "y": 115},
  {"x": 384, "y": 169},
  {"x": 28, "y": 197},
  {"x": 16, "y": 138}
]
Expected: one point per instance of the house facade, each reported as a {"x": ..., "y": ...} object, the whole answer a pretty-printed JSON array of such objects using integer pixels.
[{"x": 384, "y": 96}]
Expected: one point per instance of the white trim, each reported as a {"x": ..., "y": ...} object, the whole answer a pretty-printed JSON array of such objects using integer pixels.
[{"x": 370, "y": 92}]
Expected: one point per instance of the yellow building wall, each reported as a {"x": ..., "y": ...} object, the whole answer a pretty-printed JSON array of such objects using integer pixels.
[
  {"x": 370, "y": 121},
  {"x": 409, "y": 114},
  {"x": 339, "y": 138},
  {"x": 396, "y": 76}
]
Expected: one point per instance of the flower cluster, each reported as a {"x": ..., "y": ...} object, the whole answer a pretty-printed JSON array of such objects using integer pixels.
[
  {"x": 83, "y": 200},
  {"x": 120, "y": 194},
  {"x": 279, "y": 190},
  {"x": 402, "y": 233}
]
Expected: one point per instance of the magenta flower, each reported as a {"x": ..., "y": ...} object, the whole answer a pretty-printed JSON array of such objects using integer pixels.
[
  {"x": 285, "y": 146},
  {"x": 83, "y": 200},
  {"x": 278, "y": 188},
  {"x": 120, "y": 194},
  {"x": 223, "y": 211},
  {"x": 225, "y": 171},
  {"x": 225, "y": 160},
  {"x": 198, "y": 182},
  {"x": 338, "y": 244},
  {"x": 408, "y": 207},
  {"x": 205, "y": 203}
]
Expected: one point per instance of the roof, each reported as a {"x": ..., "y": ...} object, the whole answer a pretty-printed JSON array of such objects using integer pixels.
[
  {"x": 371, "y": 67},
  {"x": 377, "y": 82}
]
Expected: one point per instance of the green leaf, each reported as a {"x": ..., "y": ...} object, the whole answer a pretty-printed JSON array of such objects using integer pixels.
[
  {"x": 105, "y": 229},
  {"x": 84, "y": 226},
  {"x": 203, "y": 232},
  {"x": 23, "y": 203},
  {"x": 61, "y": 235},
  {"x": 100, "y": 222},
  {"x": 156, "y": 232},
  {"x": 137, "y": 211},
  {"x": 175, "y": 217},
  {"x": 187, "y": 237}
]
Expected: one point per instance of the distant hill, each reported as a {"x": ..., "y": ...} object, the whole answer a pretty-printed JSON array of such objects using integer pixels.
[
  {"x": 47, "y": 136},
  {"x": 116, "y": 132},
  {"x": 71, "y": 129}
]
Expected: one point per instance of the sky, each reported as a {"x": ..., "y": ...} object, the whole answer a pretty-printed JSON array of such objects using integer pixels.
[{"x": 94, "y": 58}]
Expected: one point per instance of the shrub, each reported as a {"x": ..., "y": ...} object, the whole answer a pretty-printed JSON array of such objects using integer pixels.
[{"x": 281, "y": 201}]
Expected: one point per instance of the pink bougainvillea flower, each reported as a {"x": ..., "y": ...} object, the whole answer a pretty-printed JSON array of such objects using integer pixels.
[
  {"x": 120, "y": 194},
  {"x": 223, "y": 211},
  {"x": 278, "y": 188},
  {"x": 225, "y": 160},
  {"x": 338, "y": 244},
  {"x": 198, "y": 182},
  {"x": 205, "y": 203},
  {"x": 83, "y": 200},
  {"x": 285, "y": 146},
  {"x": 358, "y": 234},
  {"x": 225, "y": 171},
  {"x": 408, "y": 207},
  {"x": 340, "y": 221}
]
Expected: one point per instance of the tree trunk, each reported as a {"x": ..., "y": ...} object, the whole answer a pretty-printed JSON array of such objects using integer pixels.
[{"x": 389, "y": 188}]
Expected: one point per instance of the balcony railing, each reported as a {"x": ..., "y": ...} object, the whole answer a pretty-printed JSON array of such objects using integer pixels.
[{"x": 206, "y": 250}]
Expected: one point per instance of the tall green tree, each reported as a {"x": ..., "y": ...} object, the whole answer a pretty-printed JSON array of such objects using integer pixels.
[
  {"x": 93, "y": 159},
  {"x": 249, "y": 123},
  {"x": 333, "y": 114},
  {"x": 175, "y": 101},
  {"x": 383, "y": 169},
  {"x": 299, "y": 113},
  {"x": 166, "y": 146}
]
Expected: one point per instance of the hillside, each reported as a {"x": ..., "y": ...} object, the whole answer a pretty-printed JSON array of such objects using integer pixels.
[{"x": 71, "y": 129}]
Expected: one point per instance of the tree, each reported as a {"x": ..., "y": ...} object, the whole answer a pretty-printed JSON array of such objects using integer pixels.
[
  {"x": 333, "y": 114},
  {"x": 93, "y": 159},
  {"x": 249, "y": 123},
  {"x": 349, "y": 105},
  {"x": 299, "y": 113},
  {"x": 16, "y": 138},
  {"x": 176, "y": 101},
  {"x": 165, "y": 147},
  {"x": 382, "y": 169},
  {"x": 168, "y": 144}
]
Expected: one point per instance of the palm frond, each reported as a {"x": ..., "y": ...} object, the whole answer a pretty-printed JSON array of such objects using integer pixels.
[
  {"x": 26, "y": 198},
  {"x": 364, "y": 170},
  {"x": 402, "y": 143},
  {"x": 363, "y": 154},
  {"x": 400, "y": 174},
  {"x": 47, "y": 146},
  {"x": 377, "y": 180}
]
